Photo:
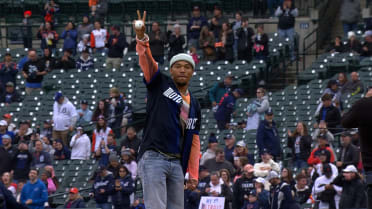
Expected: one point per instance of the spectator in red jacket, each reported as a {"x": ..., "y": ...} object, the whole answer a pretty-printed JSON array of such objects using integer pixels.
[{"x": 323, "y": 145}]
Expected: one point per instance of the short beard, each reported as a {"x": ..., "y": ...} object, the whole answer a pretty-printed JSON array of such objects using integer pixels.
[{"x": 181, "y": 84}]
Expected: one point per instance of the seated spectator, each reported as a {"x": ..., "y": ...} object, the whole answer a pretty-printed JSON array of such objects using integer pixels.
[
  {"x": 353, "y": 194},
  {"x": 85, "y": 28},
  {"x": 219, "y": 90},
  {"x": 245, "y": 36},
  {"x": 70, "y": 37},
  {"x": 333, "y": 90},
  {"x": 124, "y": 187},
  {"x": 102, "y": 109},
  {"x": 66, "y": 62},
  {"x": 192, "y": 194},
  {"x": 229, "y": 147},
  {"x": 46, "y": 178},
  {"x": 48, "y": 37},
  {"x": 226, "y": 178},
  {"x": 85, "y": 61},
  {"x": 103, "y": 188},
  {"x": 243, "y": 186},
  {"x": 64, "y": 117},
  {"x": 47, "y": 129},
  {"x": 100, "y": 133},
  {"x": 256, "y": 110},
  {"x": 116, "y": 107},
  {"x": 219, "y": 163},
  {"x": 50, "y": 9},
  {"x": 353, "y": 45},
  {"x": 74, "y": 199},
  {"x": 176, "y": 42},
  {"x": 33, "y": 71},
  {"x": 226, "y": 107},
  {"x": 4, "y": 131},
  {"x": 224, "y": 47},
  {"x": 158, "y": 40},
  {"x": 98, "y": 38},
  {"x": 217, "y": 188},
  {"x": 106, "y": 149},
  {"x": 329, "y": 113},
  {"x": 367, "y": 46},
  {"x": 116, "y": 45},
  {"x": 337, "y": 46},
  {"x": 21, "y": 162},
  {"x": 34, "y": 193},
  {"x": 349, "y": 154},
  {"x": 216, "y": 22},
  {"x": 40, "y": 158},
  {"x": 10, "y": 95},
  {"x": 267, "y": 135},
  {"x": 262, "y": 193},
  {"x": 80, "y": 145},
  {"x": 300, "y": 143},
  {"x": 322, "y": 130},
  {"x": 354, "y": 86},
  {"x": 267, "y": 164},
  {"x": 62, "y": 152},
  {"x": 194, "y": 27},
  {"x": 113, "y": 165},
  {"x": 261, "y": 44},
  {"x": 128, "y": 160},
  {"x": 210, "y": 153},
  {"x": 8, "y": 71},
  {"x": 323, "y": 145},
  {"x": 7, "y": 180},
  {"x": 85, "y": 115},
  {"x": 322, "y": 187},
  {"x": 47, "y": 60},
  {"x": 241, "y": 150},
  {"x": 131, "y": 141},
  {"x": 324, "y": 157},
  {"x": 301, "y": 189},
  {"x": 287, "y": 176},
  {"x": 84, "y": 44},
  {"x": 341, "y": 82},
  {"x": 206, "y": 43}
]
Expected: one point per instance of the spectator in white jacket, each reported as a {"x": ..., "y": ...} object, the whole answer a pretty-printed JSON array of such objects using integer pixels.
[
  {"x": 80, "y": 145},
  {"x": 64, "y": 117},
  {"x": 263, "y": 168},
  {"x": 211, "y": 151}
]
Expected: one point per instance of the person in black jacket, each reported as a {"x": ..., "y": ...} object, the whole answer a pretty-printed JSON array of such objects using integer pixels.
[
  {"x": 192, "y": 195},
  {"x": 176, "y": 42},
  {"x": 353, "y": 44},
  {"x": 66, "y": 62},
  {"x": 280, "y": 193},
  {"x": 47, "y": 60},
  {"x": 124, "y": 187},
  {"x": 7, "y": 201},
  {"x": 157, "y": 41},
  {"x": 353, "y": 189},
  {"x": 116, "y": 111},
  {"x": 74, "y": 199},
  {"x": 33, "y": 71},
  {"x": 337, "y": 45},
  {"x": 224, "y": 48},
  {"x": 245, "y": 35},
  {"x": 349, "y": 153},
  {"x": 21, "y": 162},
  {"x": 301, "y": 189},
  {"x": 243, "y": 186},
  {"x": 10, "y": 95},
  {"x": 330, "y": 114},
  {"x": 116, "y": 45},
  {"x": 103, "y": 188},
  {"x": 261, "y": 41},
  {"x": 300, "y": 143}
]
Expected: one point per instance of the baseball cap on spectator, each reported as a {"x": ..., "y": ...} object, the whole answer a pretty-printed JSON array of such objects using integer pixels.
[
  {"x": 23, "y": 122},
  {"x": 240, "y": 91},
  {"x": 202, "y": 168},
  {"x": 58, "y": 96},
  {"x": 327, "y": 169},
  {"x": 346, "y": 133},
  {"x": 9, "y": 84},
  {"x": 269, "y": 111},
  {"x": 47, "y": 121},
  {"x": 272, "y": 175},
  {"x": 7, "y": 116},
  {"x": 260, "y": 180},
  {"x": 212, "y": 138},
  {"x": 27, "y": 12},
  {"x": 101, "y": 168},
  {"x": 350, "y": 34},
  {"x": 227, "y": 136},
  {"x": 241, "y": 143},
  {"x": 126, "y": 152},
  {"x": 249, "y": 168},
  {"x": 323, "y": 137},
  {"x": 113, "y": 158},
  {"x": 367, "y": 33},
  {"x": 3, "y": 123},
  {"x": 253, "y": 192},
  {"x": 196, "y": 8},
  {"x": 325, "y": 153},
  {"x": 6, "y": 136},
  {"x": 79, "y": 128},
  {"x": 84, "y": 102},
  {"x": 265, "y": 151},
  {"x": 350, "y": 169},
  {"x": 74, "y": 190}
]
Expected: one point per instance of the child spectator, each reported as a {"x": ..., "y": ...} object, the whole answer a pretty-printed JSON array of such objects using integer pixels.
[{"x": 85, "y": 61}]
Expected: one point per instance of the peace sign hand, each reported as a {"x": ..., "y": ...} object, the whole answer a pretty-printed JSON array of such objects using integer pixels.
[{"x": 140, "y": 32}]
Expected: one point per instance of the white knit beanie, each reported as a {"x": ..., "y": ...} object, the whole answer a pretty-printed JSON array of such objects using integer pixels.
[{"x": 183, "y": 57}]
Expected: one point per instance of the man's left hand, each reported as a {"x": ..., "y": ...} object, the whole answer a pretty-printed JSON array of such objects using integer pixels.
[{"x": 28, "y": 202}]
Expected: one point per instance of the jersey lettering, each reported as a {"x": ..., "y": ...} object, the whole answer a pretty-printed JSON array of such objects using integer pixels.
[
  {"x": 171, "y": 94},
  {"x": 191, "y": 123}
]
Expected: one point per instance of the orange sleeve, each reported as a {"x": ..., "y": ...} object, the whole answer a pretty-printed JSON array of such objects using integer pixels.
[
  {"x": 93, "y": 141},
  {"x": 92, "y": 41},
  {"x": 146, "y": 61},
  {"x": 193, "y": 166},
  {"x": 313, "y": 160}
]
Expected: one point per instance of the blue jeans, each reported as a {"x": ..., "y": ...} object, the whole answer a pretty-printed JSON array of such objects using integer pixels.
[
  {"x": 194, "y": 43},
  {"x": 348, "y": 27},
  {"x": 300, "y": 163},
  {"x": 290, "y": 34},
  {"x": 162, "y": 181},
  {"x": 104, "y": 205}
]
